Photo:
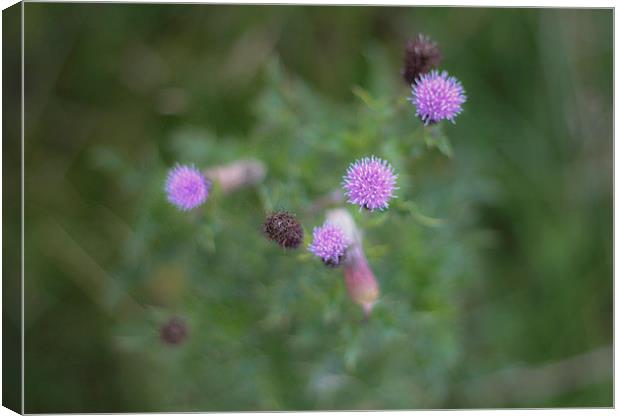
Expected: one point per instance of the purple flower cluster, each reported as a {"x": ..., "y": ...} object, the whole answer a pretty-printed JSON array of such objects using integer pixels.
[
  {"x": 329, "y": 243},
  {"x": 437, "y": 96},
  {"x": 370, "y": 183},
  {"x": 187, "y": 187}
]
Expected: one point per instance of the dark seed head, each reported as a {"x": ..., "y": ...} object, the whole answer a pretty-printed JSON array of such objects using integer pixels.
[
  {"x": 284, "y": 228},
  {"x": 173, "y": 332},
  {"x": 421, "y": 55}
]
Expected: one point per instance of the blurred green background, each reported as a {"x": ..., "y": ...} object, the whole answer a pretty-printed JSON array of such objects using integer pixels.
[{"x": 495, "y": 265}]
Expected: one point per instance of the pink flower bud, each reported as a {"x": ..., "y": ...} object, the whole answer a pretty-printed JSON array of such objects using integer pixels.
[
  {"x": 239, "y": 174},
  {"x": 361, "y": 282}
]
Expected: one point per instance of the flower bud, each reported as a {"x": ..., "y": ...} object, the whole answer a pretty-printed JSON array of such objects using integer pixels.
[
  {"x": 421, "y": 55},
  {"x": 173, "y": 332},
  {"x": 361, "y": 283},
  {"x": 359, "y": 279},
  {"x": 237, "y": 175}
]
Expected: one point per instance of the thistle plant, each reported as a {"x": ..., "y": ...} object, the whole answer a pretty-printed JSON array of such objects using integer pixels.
[
  {"x": 369, "y": 183},
  {"x": 363, "y": 175}
]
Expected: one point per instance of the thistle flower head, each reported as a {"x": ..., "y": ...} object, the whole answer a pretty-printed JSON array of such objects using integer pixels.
[
  {"x": 173, "y": 332},
  {"x": 421, "y": 55},
  {"x": 187, "y": 187},
  {"x": 329, "y": 243},
  {"x": 370, "y": 183},
  {"x": 437, "y": 96},
  {"x": 284, "y": 228}
]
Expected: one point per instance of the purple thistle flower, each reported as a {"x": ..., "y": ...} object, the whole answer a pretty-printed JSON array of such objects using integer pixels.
[
  {"x": 187, "y": 187},
  {"x": 437, "y": 97},
  {"x": 329, "y": 243},
  {"x": 370, "y": 183}
]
